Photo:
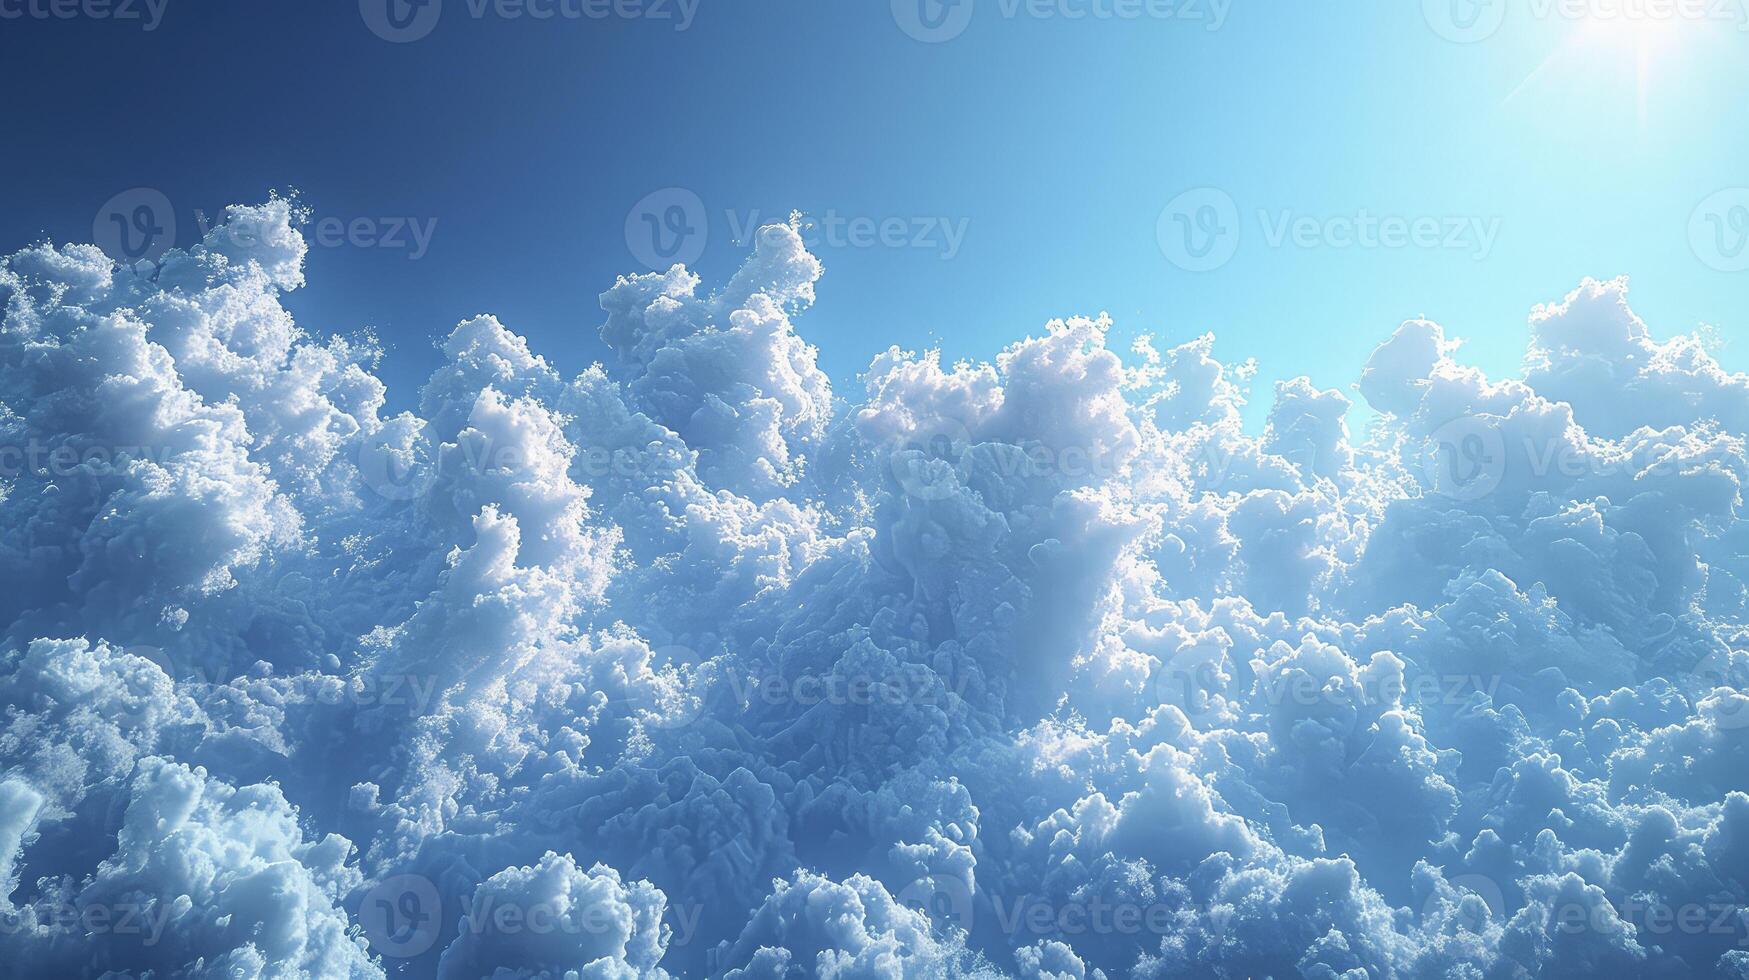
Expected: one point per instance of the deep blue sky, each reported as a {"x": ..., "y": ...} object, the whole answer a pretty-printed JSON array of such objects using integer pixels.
[{"x": 1056, "y": 142}]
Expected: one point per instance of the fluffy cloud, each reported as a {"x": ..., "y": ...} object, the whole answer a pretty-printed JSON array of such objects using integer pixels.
[{"x": 685, "y": 665}]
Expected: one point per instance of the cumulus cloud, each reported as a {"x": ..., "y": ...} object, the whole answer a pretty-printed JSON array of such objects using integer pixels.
[{"x": 695, "y": 664}]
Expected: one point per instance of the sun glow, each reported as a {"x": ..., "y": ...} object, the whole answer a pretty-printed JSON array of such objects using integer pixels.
[{"x": 1611, "y": 40}]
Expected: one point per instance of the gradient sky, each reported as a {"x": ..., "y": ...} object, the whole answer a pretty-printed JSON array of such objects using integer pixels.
[{"x": 1581, "y": 145}]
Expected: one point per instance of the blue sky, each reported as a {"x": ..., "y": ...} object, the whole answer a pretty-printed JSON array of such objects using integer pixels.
[{"x": 1020, "y": 166}]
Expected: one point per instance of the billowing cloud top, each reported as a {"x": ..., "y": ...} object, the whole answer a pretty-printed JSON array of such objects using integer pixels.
[{"x": 689, "y": 665}]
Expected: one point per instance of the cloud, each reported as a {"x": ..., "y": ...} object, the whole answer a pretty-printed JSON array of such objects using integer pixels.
[{"x": 694, "y": 664}]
